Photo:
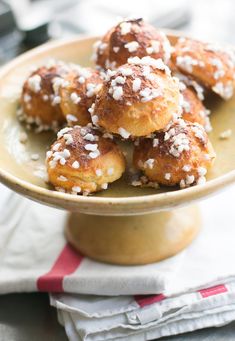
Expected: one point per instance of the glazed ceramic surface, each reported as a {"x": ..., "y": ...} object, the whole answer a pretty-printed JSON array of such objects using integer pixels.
[{"x": 20, "y": 173}]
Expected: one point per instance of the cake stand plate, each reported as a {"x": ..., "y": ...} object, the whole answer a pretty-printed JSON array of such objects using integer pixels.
[{"x": 123, "y": 225}]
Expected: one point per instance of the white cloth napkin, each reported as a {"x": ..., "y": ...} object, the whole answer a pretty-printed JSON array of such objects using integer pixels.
[
  {"x": 96, "y": 318},
  {"x": 195, "y": 289}
]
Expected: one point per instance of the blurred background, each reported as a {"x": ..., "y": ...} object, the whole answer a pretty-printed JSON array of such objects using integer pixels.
[{"x": 28, "y": 23}]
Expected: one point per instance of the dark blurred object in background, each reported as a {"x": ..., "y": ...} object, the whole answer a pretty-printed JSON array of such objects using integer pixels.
[
  {"x": 10, "y": 38},
  {"x": 25, "y": 24}
]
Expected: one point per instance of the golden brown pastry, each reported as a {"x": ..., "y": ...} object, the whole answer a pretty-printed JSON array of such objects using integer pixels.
[
  {"x": 40, "y": 100},
  {"x": 139, "y": 98},
  {"x": 192, "y": 84},
  {"x": 131, "y": 38},
  {"x": 207, "y": 63},
  {"x": 193, "y": 109},
  {"x": 82, "y": 161},
  {"x": 79, "y": 94},
  {"x": 181, "y": 155}
]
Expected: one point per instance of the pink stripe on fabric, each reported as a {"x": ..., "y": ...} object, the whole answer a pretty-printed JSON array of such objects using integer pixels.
[
  {"x": 218, "y": 289},
  {"x": 144, "y": 300},
  {"x": 67, "y": 262}
]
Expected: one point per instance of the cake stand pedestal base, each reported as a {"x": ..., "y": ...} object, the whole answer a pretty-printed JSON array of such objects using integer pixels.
[{"x": 132, "y": 240}]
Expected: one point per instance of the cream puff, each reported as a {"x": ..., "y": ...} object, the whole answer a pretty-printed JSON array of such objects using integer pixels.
[
  {"x": 139, "y": 98},
  {"x": 193, "y": 109},
  {"x": 131, "y": 38},
  {"x": 82, "y": 85},
  {"x": 180, "y": 155},
  {"x": 40, "y": 100},
  {"x": 82, "y": 161},
  {"x": 212, "y": 66}
]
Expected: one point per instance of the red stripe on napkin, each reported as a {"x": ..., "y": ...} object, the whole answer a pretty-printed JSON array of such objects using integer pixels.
[
  {"x": 67, "y": 262},
  {"x": 218, "y": 289},
  {"x": 144, "y": 300}
]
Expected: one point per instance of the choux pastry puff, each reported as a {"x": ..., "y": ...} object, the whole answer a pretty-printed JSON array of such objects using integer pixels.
[
  {"x": 82, "y": 161},
  {"x": 180, "y": 155},
  {"x": 141, "y": 97},
  {"x": 40, "y": 100},
  {"x": 131, "y": 38},
  {"x": 207, "y": 63}
]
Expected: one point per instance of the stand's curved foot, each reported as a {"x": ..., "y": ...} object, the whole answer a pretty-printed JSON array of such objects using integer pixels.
[{"x": 132, "y": 240}]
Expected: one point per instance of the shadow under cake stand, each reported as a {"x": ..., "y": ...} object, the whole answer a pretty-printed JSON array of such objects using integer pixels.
[{"x": 123, "y": 225}]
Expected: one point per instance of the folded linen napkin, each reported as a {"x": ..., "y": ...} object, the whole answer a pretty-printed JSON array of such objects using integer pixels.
[
  {"x": 34, "y": 256},
  {"x": 96, "y": 318}
]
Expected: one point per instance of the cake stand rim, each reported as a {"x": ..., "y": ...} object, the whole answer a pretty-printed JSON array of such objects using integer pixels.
[{"x": 148, "y": 203}]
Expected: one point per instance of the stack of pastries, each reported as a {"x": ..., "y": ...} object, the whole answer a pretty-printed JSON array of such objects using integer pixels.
[{"x": 142, "y": 90}]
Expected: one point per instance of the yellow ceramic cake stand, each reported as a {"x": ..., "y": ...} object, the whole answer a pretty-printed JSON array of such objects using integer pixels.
[{"x": 123, "y": 225}]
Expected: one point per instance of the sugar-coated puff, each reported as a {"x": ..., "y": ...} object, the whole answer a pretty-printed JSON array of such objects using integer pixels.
[
  {"x": 193, "y": 109},
  {"x": 82, "y": 85},
  {"x": 210, "y": 64},
  {"x": 180, "y": 155},
  {"x": 139, "y": 98},
  {"x": 40, "y": 100},
  {"x": 82, "y": 161},
  {"x": 130, "y": 38}
]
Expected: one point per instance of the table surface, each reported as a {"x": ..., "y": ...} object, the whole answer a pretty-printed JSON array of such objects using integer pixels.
[{"x": 29, "y": 317}]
